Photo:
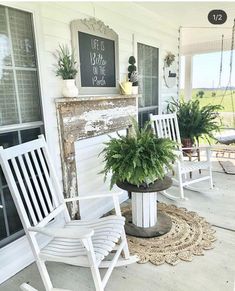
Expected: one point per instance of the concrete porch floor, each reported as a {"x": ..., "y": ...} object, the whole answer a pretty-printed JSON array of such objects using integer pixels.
[{"x": 215, "y": 271}]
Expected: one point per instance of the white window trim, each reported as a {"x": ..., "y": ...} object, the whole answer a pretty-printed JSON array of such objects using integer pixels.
[
  {"x": 39, "y": 47},
  {"x": 138, "y": 38}
]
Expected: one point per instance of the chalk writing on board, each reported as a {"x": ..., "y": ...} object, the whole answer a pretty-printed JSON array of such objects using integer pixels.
[{"x": 97, "y": 61}]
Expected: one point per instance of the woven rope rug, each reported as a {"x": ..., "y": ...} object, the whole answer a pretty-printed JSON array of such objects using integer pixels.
[{"x": 189, "y": 236}]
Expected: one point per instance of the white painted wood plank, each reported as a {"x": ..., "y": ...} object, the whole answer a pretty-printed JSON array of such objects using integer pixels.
[
  {"x": 89, "y": 164},
  {"x": 134, "y": 209},
  {"x": 139, "y": 207},
  {"x": 153, "y": 209},
  {"x": 145, "y": 210}
]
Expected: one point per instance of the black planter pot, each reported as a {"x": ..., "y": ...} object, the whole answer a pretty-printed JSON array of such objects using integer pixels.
[{"x": 158, "y": 185}]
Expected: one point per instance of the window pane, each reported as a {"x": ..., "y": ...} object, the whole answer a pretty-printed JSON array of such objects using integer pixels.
[
  {"x": 148, "y": 75},
  {"x": 12, "y": 215},
  {"x": 30, "y": 134},
  {"x": 9, "y": 139},
  {"x": 5, "y": 54},
  {"x": 8, "y": 106},
  {"x": 29, "y": 95},
  {"x": 22, "y": 38}
]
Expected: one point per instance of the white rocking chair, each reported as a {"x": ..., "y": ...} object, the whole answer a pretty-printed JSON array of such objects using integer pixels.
[
  {"x": 166, "y": 126},
  {"x": 40, "y": 203}
]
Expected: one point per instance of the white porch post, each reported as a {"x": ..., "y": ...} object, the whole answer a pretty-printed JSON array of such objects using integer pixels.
[{"x": 188, "y": 80}]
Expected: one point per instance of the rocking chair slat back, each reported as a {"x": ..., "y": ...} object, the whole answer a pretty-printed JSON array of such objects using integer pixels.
[
  {"x": 32, "y": 181},
  {"x": 166, "y": 126}
]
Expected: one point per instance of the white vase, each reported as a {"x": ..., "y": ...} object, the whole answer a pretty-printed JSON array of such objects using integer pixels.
[
  {"x": 69, "y": 88},
  {"x": 135, "y": 90}
]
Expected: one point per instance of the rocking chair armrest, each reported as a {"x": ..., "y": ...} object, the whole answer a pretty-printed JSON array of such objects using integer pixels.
[
  {"x": 96, "y": 196},
  {"x": 82, "y": 233},
  {"x": 197, "y": 148}
]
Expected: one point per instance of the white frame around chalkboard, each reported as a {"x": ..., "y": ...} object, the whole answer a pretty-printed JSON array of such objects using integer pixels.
[{"x": 97, "y": 28}]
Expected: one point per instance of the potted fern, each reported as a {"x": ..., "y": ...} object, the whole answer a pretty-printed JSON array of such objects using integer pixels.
[
  {"x": 139, "y": 158},
  {"x": 66, "y": 69},
  {"x": 195, "y": 121},
  {"x": 138, "y": 163}
]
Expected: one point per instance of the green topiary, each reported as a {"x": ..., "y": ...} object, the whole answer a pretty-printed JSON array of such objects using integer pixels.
[
  {"x": 138, "y": 158},
  {"x": 132, "y": 75}
]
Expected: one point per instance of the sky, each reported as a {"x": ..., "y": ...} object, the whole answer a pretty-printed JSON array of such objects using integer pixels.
[{"x": 206, "y": 68}]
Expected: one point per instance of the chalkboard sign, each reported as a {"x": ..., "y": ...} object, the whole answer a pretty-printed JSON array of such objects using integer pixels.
[
  {"x": 96, "y": 51},
  {"x": 97, "y": 61}
]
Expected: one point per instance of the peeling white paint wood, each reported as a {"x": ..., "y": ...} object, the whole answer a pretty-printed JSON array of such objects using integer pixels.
[{"x": 81, "y": 118}]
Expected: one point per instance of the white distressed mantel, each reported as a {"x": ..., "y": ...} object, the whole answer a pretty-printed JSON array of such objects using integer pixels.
[{"x": 83, "y": 117}]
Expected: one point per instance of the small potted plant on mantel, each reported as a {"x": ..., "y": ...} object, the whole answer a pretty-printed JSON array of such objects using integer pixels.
[
  {"x": 66, "y": 69},
  {"x": 133, "y": 75},
  {"x": 138, "y": 163}
]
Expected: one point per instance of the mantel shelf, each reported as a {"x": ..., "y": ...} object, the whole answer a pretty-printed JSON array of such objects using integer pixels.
[{"x": 81, "y": 98}]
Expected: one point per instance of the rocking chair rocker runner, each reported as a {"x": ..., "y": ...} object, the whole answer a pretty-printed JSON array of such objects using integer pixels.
[
  {"x": 39, "y": 201},
  {"x": 166, "y": 126}
]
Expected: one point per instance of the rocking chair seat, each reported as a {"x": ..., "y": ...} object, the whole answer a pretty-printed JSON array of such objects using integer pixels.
[
  {"x": 107, "y": 232},
  {"x": 188, "y": 166}
]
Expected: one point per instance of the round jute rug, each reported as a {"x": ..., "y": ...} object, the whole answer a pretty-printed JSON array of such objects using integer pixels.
[{"x": 189, "y": 236}]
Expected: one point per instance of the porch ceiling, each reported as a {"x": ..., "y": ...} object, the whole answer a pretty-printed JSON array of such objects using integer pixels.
[{"x": 192, "y": 17}]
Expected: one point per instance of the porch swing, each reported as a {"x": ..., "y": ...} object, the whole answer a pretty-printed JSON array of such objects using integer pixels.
[{"x": 227, "y": 139}]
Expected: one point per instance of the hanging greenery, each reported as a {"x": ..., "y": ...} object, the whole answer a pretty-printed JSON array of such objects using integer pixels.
[{"x": 169, "y": 59}]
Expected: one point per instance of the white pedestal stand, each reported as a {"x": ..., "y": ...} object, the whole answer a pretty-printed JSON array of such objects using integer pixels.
[{"x": 144, "y": 209}]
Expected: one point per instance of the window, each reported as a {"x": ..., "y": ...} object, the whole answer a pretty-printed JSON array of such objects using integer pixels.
[
  {"x": 20, "y": 105},
  {"x": 148, "y": 60}
]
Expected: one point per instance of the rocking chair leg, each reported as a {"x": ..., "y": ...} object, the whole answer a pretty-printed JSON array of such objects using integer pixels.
[
  {"x": 181, "y": 187},
  {"x": 27, "y": 287},
  {"x": 125, "y": 248},
  {"x": 93, "y": 265},
  {"x": 97, "y": 279},
  {"x": 211, "y": 180},
  {"x": 44, "y": 275}
]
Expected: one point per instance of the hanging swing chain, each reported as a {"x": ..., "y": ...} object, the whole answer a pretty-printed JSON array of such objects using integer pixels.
[
  {"x": 231, "y": 67},
  {"x": 221, "y": 60},
  {"x": 231, "y": 56}
]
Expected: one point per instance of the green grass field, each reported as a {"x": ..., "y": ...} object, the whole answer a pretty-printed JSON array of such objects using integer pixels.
[{"x": 225, "y": 100}]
